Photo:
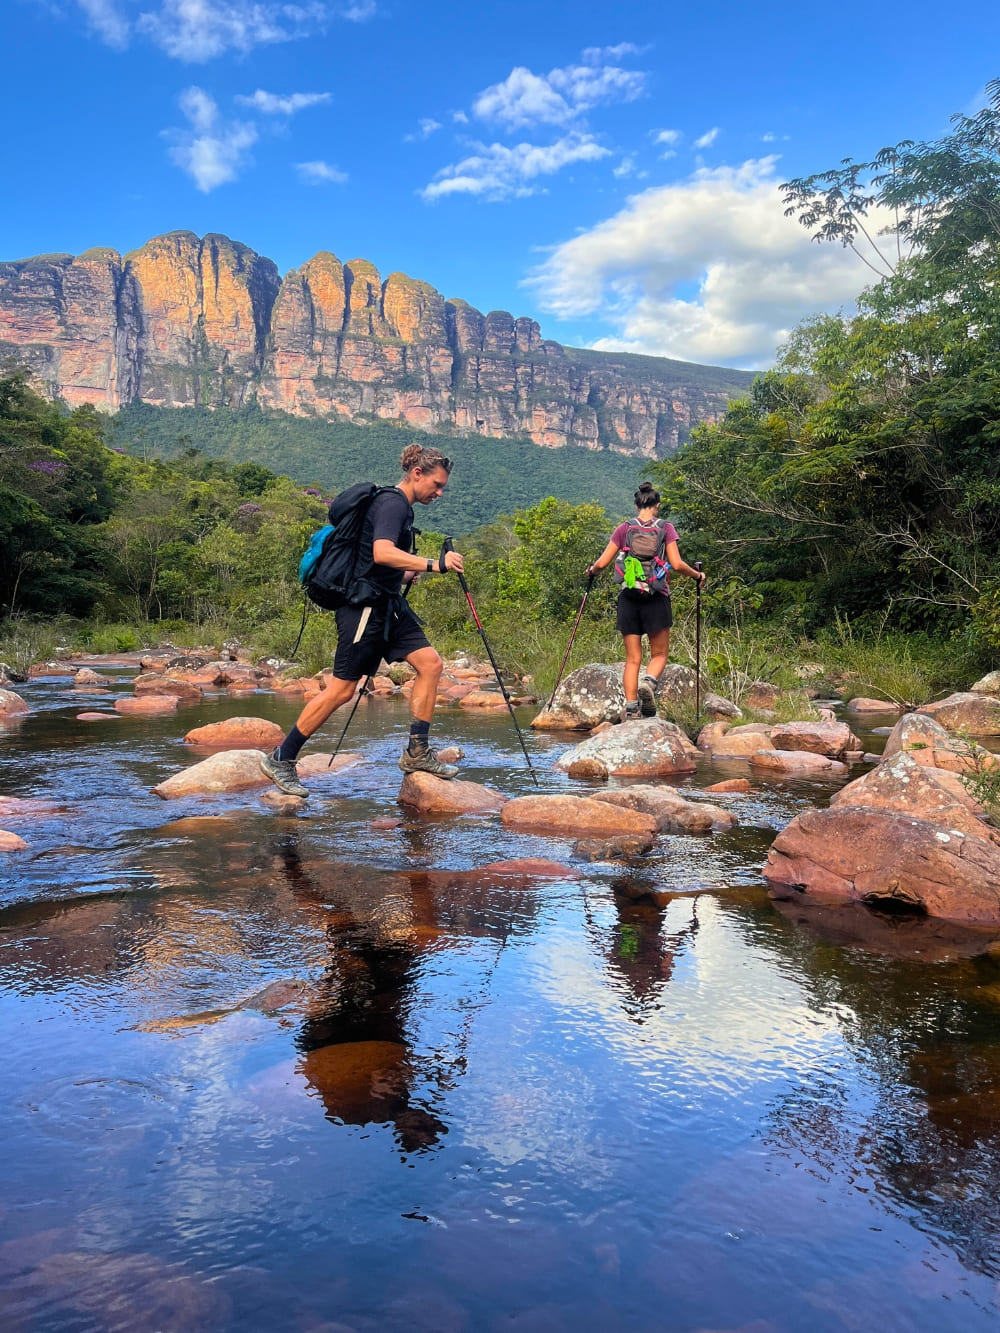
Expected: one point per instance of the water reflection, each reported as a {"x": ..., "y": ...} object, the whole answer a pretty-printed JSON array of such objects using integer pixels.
[
  {"x": 639, "y": 953},
  {"x": 918, "y": 1001}
]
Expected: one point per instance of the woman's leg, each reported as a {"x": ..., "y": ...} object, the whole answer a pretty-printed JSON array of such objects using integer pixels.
[
  {"x": 659, "y": 652},
  {"x": 633, "y": 661}
]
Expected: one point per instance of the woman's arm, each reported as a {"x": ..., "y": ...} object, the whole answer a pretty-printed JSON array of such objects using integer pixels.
[
  {"x": 674, "y": 556},
  {"x": 603, "y": 560}
]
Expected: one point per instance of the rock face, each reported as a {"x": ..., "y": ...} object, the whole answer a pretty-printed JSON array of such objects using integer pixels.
[{"x": 189, "y": 321}]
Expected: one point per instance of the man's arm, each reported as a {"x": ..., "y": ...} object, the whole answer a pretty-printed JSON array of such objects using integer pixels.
[{"x": 388, "y": 553}]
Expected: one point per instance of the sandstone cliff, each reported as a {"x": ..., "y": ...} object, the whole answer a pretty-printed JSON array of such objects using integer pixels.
[{"x": 185, "y": 321}]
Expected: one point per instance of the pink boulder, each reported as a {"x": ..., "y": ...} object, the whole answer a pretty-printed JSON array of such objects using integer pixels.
[
  {"x": 318, "y": 765},
  {"x": 435, "y": 796},
  {"x": 85, "y": 676},
  {"x": 571, "y": 816},
  {"x": 11, "y": 704},
  {"x": 673, "y": 814},
  {"x": 900, "y": 783},
  {"x": 148, "y": 705},
  {"x": 927, "y": 742},
  {"x": 860, "y": 705},
  {"x": 237, "y": 733},
  {"x": 10, "y": 842},
  {"x": 231, "y": 770},
  {"x": 650, "y": 748},
  {"x": 827, "y": 738},
  {"x": 741, "y": 742},
  {"x": 868, "y": 855},
  {"x": 166, "y": 686},
  {"x": 483, "y": 699},
  {"x": 98, "y": 717},
  {"x": 796, "y": 763},
  {"x": 730, "y": 785},
  {"x": 978, "y": 714}
]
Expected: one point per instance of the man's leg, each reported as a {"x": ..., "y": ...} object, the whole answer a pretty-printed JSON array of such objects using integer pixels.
[
  {"x": 279, "y": 765},
  {"x": 418, "y": 756}
]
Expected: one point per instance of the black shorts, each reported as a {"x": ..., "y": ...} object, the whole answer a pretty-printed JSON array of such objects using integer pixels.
[
  {"x": 643, "y": 615},
  {"x": 393, "y": 633}
]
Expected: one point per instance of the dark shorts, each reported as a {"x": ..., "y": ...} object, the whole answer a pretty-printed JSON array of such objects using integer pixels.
[
  {"x": 647, "y": 615},
  {"x": 393, "y": 634}
]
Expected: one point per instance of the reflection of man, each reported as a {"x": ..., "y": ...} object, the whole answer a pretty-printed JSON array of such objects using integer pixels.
[
  {"x": 637, "y": 950},
  {"x": 355, "y": 1050}
]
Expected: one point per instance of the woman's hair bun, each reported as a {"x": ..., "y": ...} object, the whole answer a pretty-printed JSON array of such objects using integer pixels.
[{"x": 647, "y": 495}]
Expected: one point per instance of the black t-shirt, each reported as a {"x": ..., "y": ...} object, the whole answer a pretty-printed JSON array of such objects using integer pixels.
[{"x": 389, "y": 518}]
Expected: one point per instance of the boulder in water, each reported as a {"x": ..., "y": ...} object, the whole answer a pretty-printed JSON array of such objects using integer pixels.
[
  {"x": 237, "y": 733},
  {"x": 621, "y": 848},
  {"x": 571, "y": 816},
  {"x": 923, "y": 738},
  {"x": 862, "y": 705},
  {"x": 436, "y": 796},
  {"x": 11, "y": 704},
  {"x": 977, "y": 714},
  {"x": 10, "y": 842},
  {"x": 148, "y": 705},
  {"x": 797, "y": 763},
  {"x": 832, "y": 739},
  {"x": 648, "y": 748},
  {"x": 231, "y": 770},
  {"x": 318, "y": 765},
  {"x": 669, "y": 808},
  {"x": 166, "y": 686},
  {"x": 589, "y": 695}
]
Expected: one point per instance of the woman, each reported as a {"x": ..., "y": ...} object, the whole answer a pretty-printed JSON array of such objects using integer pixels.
[{"x": 644, "y": 550}]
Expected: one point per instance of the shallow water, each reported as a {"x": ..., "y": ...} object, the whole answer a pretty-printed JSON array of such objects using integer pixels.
[{"x": 299, "y": 1074}]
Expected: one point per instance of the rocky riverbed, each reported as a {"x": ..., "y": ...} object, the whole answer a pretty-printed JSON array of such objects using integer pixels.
[{"x": 536, "y": 1058}]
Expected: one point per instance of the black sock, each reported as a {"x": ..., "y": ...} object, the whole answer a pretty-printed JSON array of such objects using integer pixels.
[
  {"x": 291, "y": 745},
  {"x": 418, "y": 735}
]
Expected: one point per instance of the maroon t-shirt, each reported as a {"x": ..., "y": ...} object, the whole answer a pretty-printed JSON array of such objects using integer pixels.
[{"x": 669, "y": 535}]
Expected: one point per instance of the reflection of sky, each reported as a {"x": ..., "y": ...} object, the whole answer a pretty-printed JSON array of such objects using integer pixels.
[{"x": 729, "y": 1025}]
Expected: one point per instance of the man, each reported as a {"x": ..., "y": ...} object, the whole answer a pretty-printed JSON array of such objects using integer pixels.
[{"x": 386, "y": 628}]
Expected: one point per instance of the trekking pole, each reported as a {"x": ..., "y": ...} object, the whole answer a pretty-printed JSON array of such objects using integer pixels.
[
  {"x": 493, "y": 661},
  {"x": 697, "y": 645},
  {"x": 576, "y": 626},
  {"x": 357, "y": 699}
]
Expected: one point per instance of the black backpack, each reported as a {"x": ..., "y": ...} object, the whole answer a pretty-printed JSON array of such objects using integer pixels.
[{"x": 334, "y": 581}]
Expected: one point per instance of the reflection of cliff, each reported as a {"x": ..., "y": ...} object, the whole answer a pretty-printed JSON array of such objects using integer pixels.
[
  {"x": 917, "y": 1001},
  {"x": 185, "y": 321}
]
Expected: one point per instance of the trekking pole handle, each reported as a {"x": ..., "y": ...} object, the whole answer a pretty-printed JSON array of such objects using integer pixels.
[{"x": 446, "y": 546}]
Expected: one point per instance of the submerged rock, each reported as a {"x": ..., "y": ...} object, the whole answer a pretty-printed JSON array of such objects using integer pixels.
[
  {"x": 232, "y": 770},
  {"x": 98, "y": 717},
  {"x": 284, "y": 804},
  {"x": 436, "y": 796},
  {"x": 651, "y": 747},
  {"x": 730, "y": 785},
  {"x": 569, "y": 816},
  {"x": 621, "y": 848},
  {"x": 589, "y": 695},
  {"x": 318, "y": 765},
  {"x": 10, "y": 842},
  {"x": 237, "y": 733},
  {"x": 148, "y": 705}
]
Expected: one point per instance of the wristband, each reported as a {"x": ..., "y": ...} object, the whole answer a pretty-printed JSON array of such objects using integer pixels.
[{"x": 430, "y": 565}]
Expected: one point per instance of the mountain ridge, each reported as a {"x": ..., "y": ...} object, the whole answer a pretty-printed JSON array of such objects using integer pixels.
[{"x": 188, "y": 321}]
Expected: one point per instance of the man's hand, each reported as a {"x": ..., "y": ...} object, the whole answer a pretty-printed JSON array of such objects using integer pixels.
[{"x": 453, "y": 561}]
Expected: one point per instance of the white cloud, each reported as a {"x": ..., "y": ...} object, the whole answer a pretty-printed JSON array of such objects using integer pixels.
[
  {"x": 497, "y": 172},
  {"x": 556, "y": 98},
  {"x": 320, "y": 173},
  {"x": 460, "y": 118},
  {"x": 768, "y": 137},
  {"x": 108, "y": 21},
  {"x": 595, "y": 55},
  {"x": 359, "y": 12},
  {"x": 722, "y": 232},
  {"x": 199, "y": 30},
  {"x": 281, "y": 104},
  {"x": 625, "y": 167},
  {"x": 427, "y": 128},
  {"x": 708, "y": 138},
  {"x": 668, "y": 137},
  {"x": 212, "y": 151}
]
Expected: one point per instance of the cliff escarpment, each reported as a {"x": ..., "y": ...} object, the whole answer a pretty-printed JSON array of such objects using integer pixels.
[{"x": 187, "y": 321}]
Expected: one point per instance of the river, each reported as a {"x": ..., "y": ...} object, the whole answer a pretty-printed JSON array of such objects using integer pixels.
[{"x": 302, "y": 1074}]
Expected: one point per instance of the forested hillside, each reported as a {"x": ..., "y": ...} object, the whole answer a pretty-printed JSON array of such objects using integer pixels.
[{"x": 491, "y": 477}]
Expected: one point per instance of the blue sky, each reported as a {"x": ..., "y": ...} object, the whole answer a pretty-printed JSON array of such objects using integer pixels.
[{"x": 610, "y": 170}]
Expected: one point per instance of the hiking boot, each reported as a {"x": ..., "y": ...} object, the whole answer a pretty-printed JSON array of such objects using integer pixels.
[
  {"x": 630, "y": 714},
  {"x": 283, "y": 774},
  {"x": 647, "y": 699},
  {"x": 426, "y": 761}
]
